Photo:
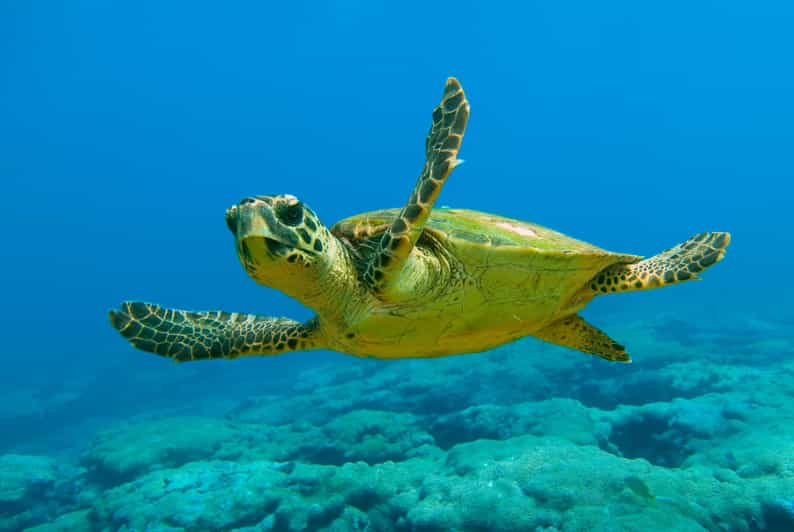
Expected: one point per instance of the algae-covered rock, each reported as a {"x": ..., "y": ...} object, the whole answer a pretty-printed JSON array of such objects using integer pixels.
[
  {"x": 574, "y": 487},
  {"x": 525, "y": 482},
  {"x": 759, "y": 452},
  {"x": 565, "y": 418},
  {"x": 221, "y": 495},
  {"x": 362, "y": 435},
  {"x": 123, "y": 453},
  {"x": 372, "y": 436},
  {"x": 23, "y": 480},
  {"x": 34, "y": 489},
  {"x": 668, "y": 434},
  {"x": 78, "y": 521},
  {"x": 197, "y": 496}
]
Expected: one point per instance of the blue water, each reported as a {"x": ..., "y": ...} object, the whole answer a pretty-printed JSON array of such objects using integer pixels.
[{"x": 128, "y": 129}]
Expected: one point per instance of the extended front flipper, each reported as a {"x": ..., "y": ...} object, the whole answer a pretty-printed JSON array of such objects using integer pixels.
[
  {"x": 441, "y": 150},
  {"x": 183, "y": 335},
  {"x": 577, "y": 334}
]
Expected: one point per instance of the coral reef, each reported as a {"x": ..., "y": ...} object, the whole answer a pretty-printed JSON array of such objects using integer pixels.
[{"x": 527, "y": 437}]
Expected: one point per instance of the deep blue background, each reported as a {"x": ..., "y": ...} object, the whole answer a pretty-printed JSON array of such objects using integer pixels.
[{"x": 126, "y": 129}]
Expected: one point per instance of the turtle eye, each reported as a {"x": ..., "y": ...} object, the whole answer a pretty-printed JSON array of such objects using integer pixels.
[{"x": 291, "y": 214}]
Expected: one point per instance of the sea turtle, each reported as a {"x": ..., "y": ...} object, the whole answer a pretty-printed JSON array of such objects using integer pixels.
[{"x": 413, "y": 282}]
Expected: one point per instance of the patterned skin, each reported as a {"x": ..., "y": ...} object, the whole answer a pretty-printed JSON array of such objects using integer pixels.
[{"x": 441, "y": 150}]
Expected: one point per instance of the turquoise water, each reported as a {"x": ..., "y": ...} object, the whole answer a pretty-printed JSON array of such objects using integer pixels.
[{"x": 126, "y": 132}]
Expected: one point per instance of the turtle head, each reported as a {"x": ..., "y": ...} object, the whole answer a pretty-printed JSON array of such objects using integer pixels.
[{"x": 281, "y": 242}]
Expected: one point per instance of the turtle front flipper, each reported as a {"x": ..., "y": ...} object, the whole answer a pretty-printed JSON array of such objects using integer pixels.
[
  {"x": 441, "y": 150},
  {"x": 184, "y": 335},
  {"x": 576, "y": 333}
]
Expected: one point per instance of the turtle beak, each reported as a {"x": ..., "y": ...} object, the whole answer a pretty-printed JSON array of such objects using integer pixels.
[
  {"x": 256, "y": 230},
  {"x": 231, "y": 218}
]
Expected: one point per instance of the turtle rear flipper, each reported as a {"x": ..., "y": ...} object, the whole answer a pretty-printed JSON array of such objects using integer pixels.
[
  {"x": 441, "y": 151},
  {"x": 184, "y": 335},
  {"x": 680, "y": 263},
  {"x": 576, "y": 333}
]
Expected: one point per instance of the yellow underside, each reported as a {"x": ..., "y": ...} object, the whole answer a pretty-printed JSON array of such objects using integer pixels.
[{"x": 505, "y": 296}]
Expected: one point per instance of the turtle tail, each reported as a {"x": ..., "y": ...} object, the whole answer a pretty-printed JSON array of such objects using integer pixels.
[{"x": 678, "y": 264}]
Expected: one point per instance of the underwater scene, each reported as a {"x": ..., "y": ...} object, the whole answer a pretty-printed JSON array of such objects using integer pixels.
[{"x": 245, "y": 290}]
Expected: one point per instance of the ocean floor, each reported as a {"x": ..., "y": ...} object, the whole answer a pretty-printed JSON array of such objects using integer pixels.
[{"x": 696, "y": 434}]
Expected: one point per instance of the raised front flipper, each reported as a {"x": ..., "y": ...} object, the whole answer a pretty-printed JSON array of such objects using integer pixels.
[
  {"x": 577, "y": 334},
  {"x": 183, "y": 335},
  {"x": 441, "y": 150}
]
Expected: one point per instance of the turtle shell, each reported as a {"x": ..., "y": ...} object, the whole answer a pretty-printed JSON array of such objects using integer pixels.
[
  {"x": 478, "y": 231},
  {"x": 508, "y": 259}
]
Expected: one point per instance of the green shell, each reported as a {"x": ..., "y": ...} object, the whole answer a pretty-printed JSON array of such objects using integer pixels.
[{"x": 473, "y": 230}]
